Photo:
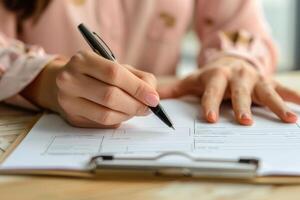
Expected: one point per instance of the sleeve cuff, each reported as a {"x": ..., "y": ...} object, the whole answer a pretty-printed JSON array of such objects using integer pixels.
[
  {"x": 17, "y": 77},
  {"x": 242, "y": 44}
]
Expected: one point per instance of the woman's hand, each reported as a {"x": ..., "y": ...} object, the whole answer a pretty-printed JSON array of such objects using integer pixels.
[
  {"x": 235, "y": 79},
  {"x": 91, "y": 91}
]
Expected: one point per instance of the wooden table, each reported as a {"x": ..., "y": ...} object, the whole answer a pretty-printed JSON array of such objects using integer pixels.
[{"x": 26, "y": 187}]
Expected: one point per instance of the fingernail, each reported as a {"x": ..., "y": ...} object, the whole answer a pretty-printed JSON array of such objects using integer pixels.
[
  {"x": 211, "y": 116},
  {"x": 152, "y": 99},
  {"x": 246, "y": 119},
  {"x": 291, "y": 117}
]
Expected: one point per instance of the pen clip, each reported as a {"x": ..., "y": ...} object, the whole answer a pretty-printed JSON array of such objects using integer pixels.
[{"x": 107, "y": 49}]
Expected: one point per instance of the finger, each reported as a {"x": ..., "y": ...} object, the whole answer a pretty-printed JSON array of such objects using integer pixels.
[
  {"x": 105, "y": 95},
  {"x": 171, "y": 90},
  {"x": 212, "y": 96},
  {"x": 145, "y": 76},
  {"x": 269, "y": 97},
  {"x": 288, "y": 94},
  {"x": 241, "y": 87},
  {"x": 83, "y": 122},
  {"x": 91, "y": 111},
  {"x": 191, "y": 85},
  {"x": 117, "y": 75}
]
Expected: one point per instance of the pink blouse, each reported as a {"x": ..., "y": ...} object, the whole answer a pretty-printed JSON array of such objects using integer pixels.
[{"x": 145, "y": 34}]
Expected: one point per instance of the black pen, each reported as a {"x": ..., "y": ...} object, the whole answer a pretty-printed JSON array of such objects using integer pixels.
[{"x": 101, "y": 48}]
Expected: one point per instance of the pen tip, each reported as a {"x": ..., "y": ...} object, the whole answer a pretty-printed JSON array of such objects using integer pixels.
[{"x": 173, "y": 128}]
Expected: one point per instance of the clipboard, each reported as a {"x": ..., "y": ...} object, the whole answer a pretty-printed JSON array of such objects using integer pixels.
[{"x": 241, "y": 170}]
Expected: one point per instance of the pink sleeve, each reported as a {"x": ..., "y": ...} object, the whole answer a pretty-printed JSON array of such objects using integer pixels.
[
  {"x": 19, "y": 65},
  {"x": 235, "y": 28}
]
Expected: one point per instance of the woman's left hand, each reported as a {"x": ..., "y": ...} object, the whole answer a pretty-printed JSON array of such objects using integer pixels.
[{"x": 235, "y": 79}]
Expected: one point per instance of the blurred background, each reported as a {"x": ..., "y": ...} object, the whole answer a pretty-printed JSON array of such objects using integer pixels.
[{"x": 282, "y": 17}]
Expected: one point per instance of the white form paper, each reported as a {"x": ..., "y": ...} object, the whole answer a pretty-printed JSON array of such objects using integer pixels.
[{"x": 53, "y": 144}]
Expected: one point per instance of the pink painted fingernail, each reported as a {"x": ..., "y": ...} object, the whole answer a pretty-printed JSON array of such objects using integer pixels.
[
  {"x": 152, "y": 99},
  {"x": 246, "y": 119},
  {"x": 211, "y": 116},
  {"x": 291, "y": 117}
]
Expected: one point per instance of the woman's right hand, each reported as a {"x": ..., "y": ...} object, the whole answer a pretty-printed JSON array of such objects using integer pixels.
[{"x": 95, "y": 92}]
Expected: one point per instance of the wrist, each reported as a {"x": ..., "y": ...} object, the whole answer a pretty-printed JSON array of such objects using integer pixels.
[
  {"x": 42, "y": 91},
  {"x": 231, "y": 59}
]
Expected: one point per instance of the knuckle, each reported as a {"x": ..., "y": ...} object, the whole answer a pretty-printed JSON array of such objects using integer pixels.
[
  {"x": 113, "y": 71},
  {"x": 78, "y": 57},
  {"x": 85, "y": 53},
  {"x": 246, "y": 71},
  {"x": 242, "y": 70},
  {"x": 264, "y": 85},
  {"x": 63, "y": 78},
  {"x": 208, "y": 92},
  {"x": 139, "y": 90},
  {"x": 78, "y": 61},
  {"x": 105, "y": 118},
  {"x": 216, "y": 72},
  {"x": 268, "y": 93},
  {"x": 109, "y": 95},
  {"x": 149, "y": 76},
  {"x": 262, "y": 79}
]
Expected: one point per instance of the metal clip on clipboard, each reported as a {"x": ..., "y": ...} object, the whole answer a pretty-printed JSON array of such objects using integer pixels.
[{"x": 243, "y": 168}]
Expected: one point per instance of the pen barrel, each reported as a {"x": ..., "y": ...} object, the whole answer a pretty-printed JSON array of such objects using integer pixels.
[
  {"x": 161, "y": 114},
  {"x": 156, "y": 110}
]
